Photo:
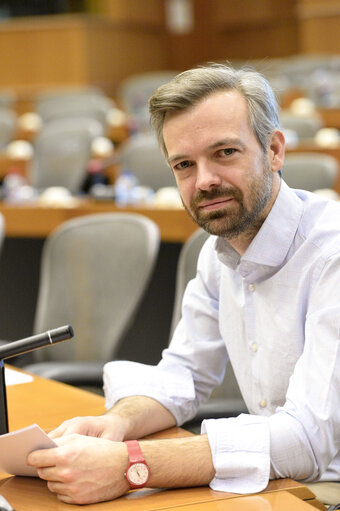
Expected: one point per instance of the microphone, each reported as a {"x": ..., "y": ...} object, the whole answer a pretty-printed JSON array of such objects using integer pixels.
[
  {"x": 35, "y": 342},
  {"x": 24, "y": 346}
]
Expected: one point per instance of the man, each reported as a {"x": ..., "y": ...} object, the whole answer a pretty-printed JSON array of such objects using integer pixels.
[{"x": 266, "y": 295}]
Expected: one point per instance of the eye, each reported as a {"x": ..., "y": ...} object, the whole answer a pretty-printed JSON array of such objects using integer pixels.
[
  {"x": 227, "y": 151},
  {"x": 182, "y": 165}
]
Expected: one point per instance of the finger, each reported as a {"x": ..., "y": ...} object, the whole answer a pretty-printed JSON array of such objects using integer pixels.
[
  {"x": 57, "y": 432},
  {"x": 42, "y": 458},
  {"x": 48, "y": 474},
  {"x": 57, "y": 487}
]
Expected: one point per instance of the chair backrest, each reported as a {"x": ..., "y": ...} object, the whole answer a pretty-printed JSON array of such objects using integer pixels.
[
  {"x": 305, "y": 127},
  {"x": 186, "y": 270},
  {"x": 8, "y": 124},
  {"x": 91, "y": 105},
  {"x": 310, "y": 171},
  {"x": 142, "y": 156},
  {"x": 62, "y": 151},
  {"x": 134, "y": 93},
  {"x": 94, "y": 271},
  {"x": 226, "y": 400}
]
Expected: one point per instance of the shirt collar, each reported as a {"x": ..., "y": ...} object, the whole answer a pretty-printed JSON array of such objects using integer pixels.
[{"x": 271, "y": 244}]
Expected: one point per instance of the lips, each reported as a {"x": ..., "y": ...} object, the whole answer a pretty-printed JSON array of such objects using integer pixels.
[{"x": 215, "y": 204}]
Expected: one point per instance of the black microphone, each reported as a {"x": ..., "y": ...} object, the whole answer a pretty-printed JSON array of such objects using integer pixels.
[
  {"x": 24, "y": 346},
  {"x": 54, "y": 336}
]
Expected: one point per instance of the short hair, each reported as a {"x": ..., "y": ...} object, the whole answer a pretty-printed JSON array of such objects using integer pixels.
[{"x": 191, "y": 86}]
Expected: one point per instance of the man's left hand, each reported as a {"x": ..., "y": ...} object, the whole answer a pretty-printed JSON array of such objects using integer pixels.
[{"x": 82, "y": 469}]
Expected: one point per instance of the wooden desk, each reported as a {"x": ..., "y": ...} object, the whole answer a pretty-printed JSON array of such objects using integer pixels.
[
  {"x": 34, "y": 221},
  {"x": 48, "y": 403}
]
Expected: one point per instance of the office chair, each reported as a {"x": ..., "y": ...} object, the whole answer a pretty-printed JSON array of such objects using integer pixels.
[
  {"x": 141, "y": 155},
  {"x": 94, "y": 272},
  {"x": 310, "y": 171},
  {"x": 8, "y": 125},
  {"x": 306, "y": 127},
  {"x": 95, "y": 106},
  {"x": 62, "y": 151},
  {"x": 134, "y": 92},
  {"x": 226, "y": 400}
]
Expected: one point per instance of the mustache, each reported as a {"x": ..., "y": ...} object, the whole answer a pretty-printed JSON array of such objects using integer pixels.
[{"x": 216, "y": 193}]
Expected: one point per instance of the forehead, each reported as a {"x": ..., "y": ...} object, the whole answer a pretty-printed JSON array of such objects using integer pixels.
[{"x": 222, "y": 111}]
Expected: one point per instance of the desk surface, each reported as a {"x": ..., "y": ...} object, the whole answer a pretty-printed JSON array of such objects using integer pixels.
[
  {"x": 48, "y": 403},
  {"x": 33, "y": 221}
]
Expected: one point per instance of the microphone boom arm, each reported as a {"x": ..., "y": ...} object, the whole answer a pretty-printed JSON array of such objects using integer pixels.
[{"x": 12, "y": 349}]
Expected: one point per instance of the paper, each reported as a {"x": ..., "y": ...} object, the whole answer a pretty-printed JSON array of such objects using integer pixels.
[
  {"x": 15, "y": 447},
  {"x": 13, "y": 377}
]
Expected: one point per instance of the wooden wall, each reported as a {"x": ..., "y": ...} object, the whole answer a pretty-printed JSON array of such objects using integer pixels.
[{"x": 122, "y": 37}]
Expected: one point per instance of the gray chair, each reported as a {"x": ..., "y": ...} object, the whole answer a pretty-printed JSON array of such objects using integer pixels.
[
  {"x": 71, "y": 105},
  {"x": 226, "y": 400},
  {"x": 8, "y": 125},
  {"x": 94, "y": 272},
  {"x": 305, "y": 127},
  {"x": 310, "y": 171},
  {"x": 62, "y": 151},
  {"x": 134, "y": 92},
  {"x": 141, "y": 155}
]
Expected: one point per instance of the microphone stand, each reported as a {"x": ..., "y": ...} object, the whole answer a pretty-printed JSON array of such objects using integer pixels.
[
  {"x": 3, "y": 400},
  {"x": 23, "y": 346}
]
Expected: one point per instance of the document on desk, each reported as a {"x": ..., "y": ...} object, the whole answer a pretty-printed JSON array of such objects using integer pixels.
[
  {"x": 15, "y": 447},
  {"x": 13, "y": 377}
]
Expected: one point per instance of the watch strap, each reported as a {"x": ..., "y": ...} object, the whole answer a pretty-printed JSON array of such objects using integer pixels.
[{"x": 134, "y": 451}]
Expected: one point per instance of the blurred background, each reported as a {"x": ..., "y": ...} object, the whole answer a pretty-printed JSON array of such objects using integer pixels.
[{"x": 100, "y": 61}]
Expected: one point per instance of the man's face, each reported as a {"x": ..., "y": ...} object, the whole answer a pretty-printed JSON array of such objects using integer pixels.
[{"x": 224, "y": 178}]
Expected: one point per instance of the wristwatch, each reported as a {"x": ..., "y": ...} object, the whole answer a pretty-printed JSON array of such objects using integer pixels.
[{"x": 137, "y": 472}]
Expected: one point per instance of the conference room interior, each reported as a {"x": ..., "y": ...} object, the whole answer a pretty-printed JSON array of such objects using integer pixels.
[
  {"x": 99, "y": 48},
  {"x": 70, "y": 63}
]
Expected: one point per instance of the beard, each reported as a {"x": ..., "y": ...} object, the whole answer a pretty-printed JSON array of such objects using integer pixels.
[{"x": 237, "y": 218}]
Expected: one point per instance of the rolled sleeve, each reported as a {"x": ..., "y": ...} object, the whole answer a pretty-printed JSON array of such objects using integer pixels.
[
  {"x": 240, "y": 450},
  {"x": 171, "y": 386}
]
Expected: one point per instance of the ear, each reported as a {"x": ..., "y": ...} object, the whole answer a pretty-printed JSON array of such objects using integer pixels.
[{"x": 276, "y": 150}]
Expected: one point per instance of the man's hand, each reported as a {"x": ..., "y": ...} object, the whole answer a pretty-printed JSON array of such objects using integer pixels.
[
  {"x": 83, "y": 470},
  {"x": 110, "y": 427}
]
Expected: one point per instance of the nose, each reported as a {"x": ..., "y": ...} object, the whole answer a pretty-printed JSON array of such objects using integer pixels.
[{"x": 207, "y": 176}]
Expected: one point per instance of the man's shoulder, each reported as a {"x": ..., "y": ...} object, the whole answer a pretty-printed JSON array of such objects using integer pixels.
[{"x": 320, "y": 222}]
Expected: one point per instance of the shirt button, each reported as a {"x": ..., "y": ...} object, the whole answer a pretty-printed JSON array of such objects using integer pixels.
[
  {"x": 263, "y": 403},
  {"x": 251, "y": 287},
  {"x": 254, "y": 346}
]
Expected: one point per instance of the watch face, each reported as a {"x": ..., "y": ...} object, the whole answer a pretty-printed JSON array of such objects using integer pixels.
[{"x": 138, "y": 474}]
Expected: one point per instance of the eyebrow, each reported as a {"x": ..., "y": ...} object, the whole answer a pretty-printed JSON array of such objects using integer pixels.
[{"x": 219, "y": 143}]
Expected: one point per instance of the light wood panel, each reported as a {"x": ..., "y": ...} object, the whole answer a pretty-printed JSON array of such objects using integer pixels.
[
  {"x": 318, "y": 26},
  {"x": 33, "y": 221}
]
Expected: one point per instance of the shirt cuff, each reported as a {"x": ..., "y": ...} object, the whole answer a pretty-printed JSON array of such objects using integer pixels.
[
  {"x": 173, "y": 389},
  {"x": 240, "y": 448}
]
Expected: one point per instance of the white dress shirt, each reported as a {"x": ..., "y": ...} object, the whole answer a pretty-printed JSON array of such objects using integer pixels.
[{"x": 275, "y": 312}]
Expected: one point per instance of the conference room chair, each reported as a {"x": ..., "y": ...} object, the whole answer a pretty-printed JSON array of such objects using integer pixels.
[
  {"x": 310, "y": 171},
  {"x": 94, "y": 272},
  {"x": 305, "y": 127},
  {"x": 226, "y": 400},
  {"x": 65, "y": 91},
  {"x": 62, "y": 151},
  {"x": 134, "y": 92},
  {"x": 83, "y": 104},
  {"x": 141, "y": 155},
  {"x": 8, "y": 125}
]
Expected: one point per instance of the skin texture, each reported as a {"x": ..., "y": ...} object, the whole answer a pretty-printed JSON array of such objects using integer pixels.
[{"x": 228, "y": 185}]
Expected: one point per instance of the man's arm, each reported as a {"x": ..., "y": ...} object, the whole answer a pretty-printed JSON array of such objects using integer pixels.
[
  {"x": 130, "y": 418},
  {"x": 84, "y": 470}
]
